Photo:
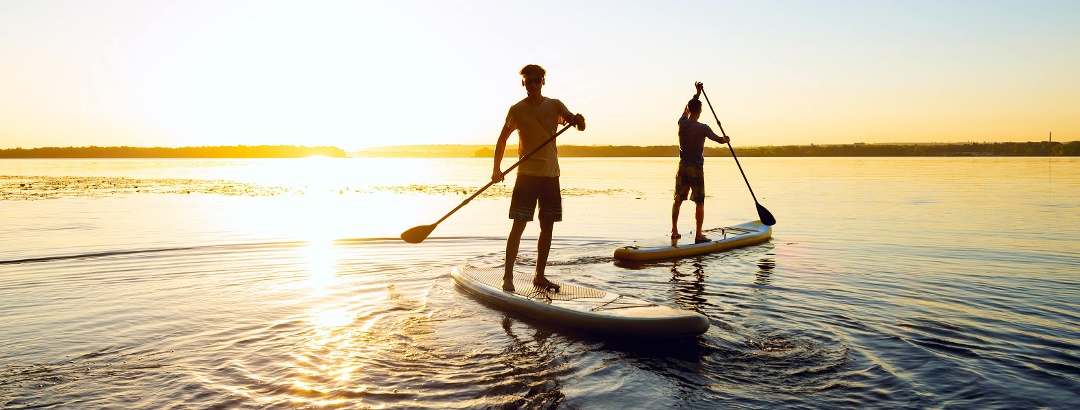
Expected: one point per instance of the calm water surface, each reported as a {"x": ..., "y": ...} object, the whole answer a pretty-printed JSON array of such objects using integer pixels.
[{"x": 889, "y": 282}]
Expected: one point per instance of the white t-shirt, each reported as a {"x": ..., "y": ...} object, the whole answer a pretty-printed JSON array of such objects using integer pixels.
[{"x": 535, "y": 124}]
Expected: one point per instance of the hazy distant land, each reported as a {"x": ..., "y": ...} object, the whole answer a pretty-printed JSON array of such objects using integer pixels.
[
  {"x": 239, "y": 151},
  {"x": 1037, "y": 149}
]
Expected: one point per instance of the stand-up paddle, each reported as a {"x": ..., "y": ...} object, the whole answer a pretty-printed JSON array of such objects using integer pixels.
[
  {"x": 764, "y": 214},
  {"x": 419, "y": 233}
]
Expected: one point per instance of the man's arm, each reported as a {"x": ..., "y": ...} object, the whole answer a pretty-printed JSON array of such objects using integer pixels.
[
  {"x": 686, "y": 108},
  {"x": 722, "y": 140},
  {"x": 577, "y": 120},
  {"x": 500, "y": 149},
  {"x": 712, "y": 135}
]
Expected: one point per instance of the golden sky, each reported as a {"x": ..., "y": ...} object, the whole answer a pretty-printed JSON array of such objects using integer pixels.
[{"x": 356, "y": 74}]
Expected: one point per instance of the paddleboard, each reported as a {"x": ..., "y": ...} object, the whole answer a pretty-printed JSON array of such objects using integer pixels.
[
  {"x": 730, "y": 237},
  {"x": 578, "y": 306}
]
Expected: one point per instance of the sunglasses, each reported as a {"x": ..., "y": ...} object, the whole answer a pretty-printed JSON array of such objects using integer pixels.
[{"x": 534, "y": 81}]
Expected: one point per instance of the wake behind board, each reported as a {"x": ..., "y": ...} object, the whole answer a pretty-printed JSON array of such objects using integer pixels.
[
  {"x": 736, "y": 236},
  {"x": 577, "y": 306}
]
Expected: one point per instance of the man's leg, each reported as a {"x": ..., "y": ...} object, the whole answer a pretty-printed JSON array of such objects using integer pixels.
[
  {"x": 680, "y": 192},
  {"x": 550, "y": 212},
  {"x": 543, "y": 248},
  {"x": 697, "y": 189},
  {"x": 675, "y": 219},
  {"x": 699, "y": 216},
  {"x": 513, "y": 241}
]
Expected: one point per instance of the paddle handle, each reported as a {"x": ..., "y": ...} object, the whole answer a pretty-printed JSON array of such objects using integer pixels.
[
  {"x": 728, "y": 144},
  {"x": 493, "y": 182}
]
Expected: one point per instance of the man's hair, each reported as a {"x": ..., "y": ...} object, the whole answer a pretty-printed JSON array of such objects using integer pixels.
[
  {"x": 694, "y": 106},
  {"x": 533, "y": 70}
]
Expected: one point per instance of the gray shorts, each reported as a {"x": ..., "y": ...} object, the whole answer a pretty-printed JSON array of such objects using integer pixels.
[
  {"x": 531, "y": 189},
  {"x": 692, "y": 177}
]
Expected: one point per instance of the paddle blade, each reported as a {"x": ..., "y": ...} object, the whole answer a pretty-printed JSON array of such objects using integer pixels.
[
  {"x": 417, "y": 234},
  {"x": 765, "y": 216}
]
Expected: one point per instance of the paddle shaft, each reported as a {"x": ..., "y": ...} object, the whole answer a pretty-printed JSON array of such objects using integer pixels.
[
  {"x": 729, "y": 145},
  {"x": 489, "y": 184}
]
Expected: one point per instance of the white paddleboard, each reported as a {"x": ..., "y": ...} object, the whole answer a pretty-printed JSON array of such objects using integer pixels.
[
  {"x": 580, "y": 307},
  {"x": 730, "y": 237}
]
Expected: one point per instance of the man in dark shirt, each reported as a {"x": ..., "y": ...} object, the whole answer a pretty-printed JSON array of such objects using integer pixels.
[{"x": 691, "y": 175}]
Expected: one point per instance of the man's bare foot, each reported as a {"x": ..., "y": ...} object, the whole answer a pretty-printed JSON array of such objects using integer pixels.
[
  {"x": 544, "y": 283},
  {"x": 701, "y": 239},
  {"x": 676, "y": 235},
  {"x": 508, "y": 284}
]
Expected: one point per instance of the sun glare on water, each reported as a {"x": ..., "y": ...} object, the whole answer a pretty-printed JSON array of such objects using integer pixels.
[
  {"x": 323, "y": 199},
  {"x": 332, "y": 318},
  {"x": 321, "y": 258}
]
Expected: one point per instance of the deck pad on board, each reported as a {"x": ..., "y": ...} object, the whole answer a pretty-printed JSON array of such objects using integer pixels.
[
  {"x": 523, "y": 286},
  {"x": 579, "y": 306}
]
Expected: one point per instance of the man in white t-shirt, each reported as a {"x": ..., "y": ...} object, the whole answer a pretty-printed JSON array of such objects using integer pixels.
[{"x": 535, "y": 118}]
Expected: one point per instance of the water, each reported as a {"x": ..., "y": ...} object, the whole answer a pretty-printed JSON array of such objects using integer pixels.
[{"x": 889, "y": 282}]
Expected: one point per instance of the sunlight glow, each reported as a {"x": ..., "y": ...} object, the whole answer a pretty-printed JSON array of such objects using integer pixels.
[
  {"x": 333, "y": 318},
  {"x": 321, "y": 258},
  {"x": 345, "y": 373},
  {"x": 320, "y": 200},
  {"x": 363, "y": 74}
]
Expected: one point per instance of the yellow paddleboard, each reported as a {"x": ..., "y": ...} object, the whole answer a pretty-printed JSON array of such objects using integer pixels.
[{"x": 730, "y": 237}]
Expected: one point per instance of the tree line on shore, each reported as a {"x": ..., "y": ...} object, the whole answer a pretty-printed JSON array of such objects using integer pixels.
[
  {"x": 1030, "y": 149},
  {"x": 464, "y": 151},
  {"x": 238, "y": 151},
  {"x": 832, "y": 150}
]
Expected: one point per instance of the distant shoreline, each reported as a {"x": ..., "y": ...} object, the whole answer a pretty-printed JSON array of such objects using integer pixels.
[
  {"x": 1003, "y": 149},
  {"x": 1031, "y": 149},
  {"x": 238, "y": 151}
]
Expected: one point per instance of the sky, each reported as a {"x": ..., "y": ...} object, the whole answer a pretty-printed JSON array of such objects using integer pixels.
[{"x": 357, "y": 74}]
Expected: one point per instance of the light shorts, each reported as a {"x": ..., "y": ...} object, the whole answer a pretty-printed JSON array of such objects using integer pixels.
[
  {"x": 530, "y": 189},
  {"x": 691, "y": 176}
]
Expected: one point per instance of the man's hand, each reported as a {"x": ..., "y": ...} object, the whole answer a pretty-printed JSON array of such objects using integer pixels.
[
  {"x": 579, "y": 122},
  {"x": 700, "y": 87},
  {"x": 497, "y": 176},
  {"x": 725, "y": 139}
]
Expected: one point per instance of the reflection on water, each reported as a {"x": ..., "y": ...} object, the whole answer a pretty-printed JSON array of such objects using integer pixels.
[
  {"x": 531, "y": 366},
  {"x": 690, "y": 287},
  {"x": 765, "y": 268}
]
